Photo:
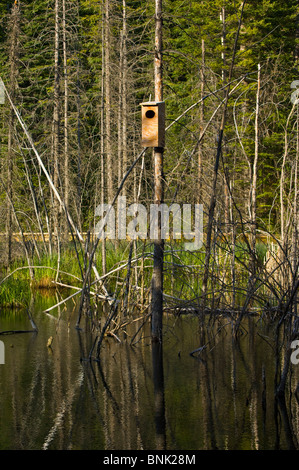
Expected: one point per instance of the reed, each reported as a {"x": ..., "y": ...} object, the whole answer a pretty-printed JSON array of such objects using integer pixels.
[{"x": 227, "y": 287}]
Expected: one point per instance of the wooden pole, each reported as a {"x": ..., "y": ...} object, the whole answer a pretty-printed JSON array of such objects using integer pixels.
[{"x": 157, "y": 279}]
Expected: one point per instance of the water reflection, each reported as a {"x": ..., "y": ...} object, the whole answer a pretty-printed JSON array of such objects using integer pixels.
[{"x": 146, "y": 396}]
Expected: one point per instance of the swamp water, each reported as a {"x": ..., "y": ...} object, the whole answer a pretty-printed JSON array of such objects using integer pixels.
[{"x": 52, "y": 398}]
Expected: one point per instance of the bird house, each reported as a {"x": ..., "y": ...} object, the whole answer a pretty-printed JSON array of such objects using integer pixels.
[{"x": 153, "y": 124}]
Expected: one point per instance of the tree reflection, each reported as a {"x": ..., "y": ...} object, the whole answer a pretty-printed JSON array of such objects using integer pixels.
[{"x": 158, "y": 376}]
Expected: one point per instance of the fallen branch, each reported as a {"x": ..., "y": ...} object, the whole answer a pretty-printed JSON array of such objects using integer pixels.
[
  {"x": 93, "y": 283},
  {"x": 13, "y": 332},
  {"x": 37, "y": 267}
]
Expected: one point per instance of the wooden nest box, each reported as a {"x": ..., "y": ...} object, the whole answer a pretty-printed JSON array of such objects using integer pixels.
[{"x": 153, "y": 124}]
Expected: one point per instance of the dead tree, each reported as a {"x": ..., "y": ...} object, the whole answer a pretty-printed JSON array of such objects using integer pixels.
[{"x": 157, "y": 278}]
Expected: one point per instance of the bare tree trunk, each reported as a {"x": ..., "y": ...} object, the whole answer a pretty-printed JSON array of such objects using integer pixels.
[
  {"x": 254, "y": 175},
  {"x": 9, "y": 229},
  {"x": 157, "y": 279},
  {"x": 124, "y": 91},
  {"x": 108, "y": 105},
  {"x": 282, "y": 179},
  {"x": 233, "y": 249},
  {"x": 283, "y": 222},
  {"x": 201, "y": 125},
  {"x": 297, "y": 37},
  {"x": 119, "y": 116},
  {"x": 216, "y": 168},
  {"x": 25, "y": 246},
  {"x": 13, "y": 56},
  {"x": 295, "y": 216},
  {"x": 35, "y": 203},
  {"x": 66, "y": 137},
  {"x": 41, "y": 192},
  {"x": 56, "y": 124},
  {"x": 223, "y": 43},
  {"x": 102, "y": 144},
  {"x": 224, "y": 80},
  {"x": 122, "y": 104},
  {"x": 78, "y": 183}
]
